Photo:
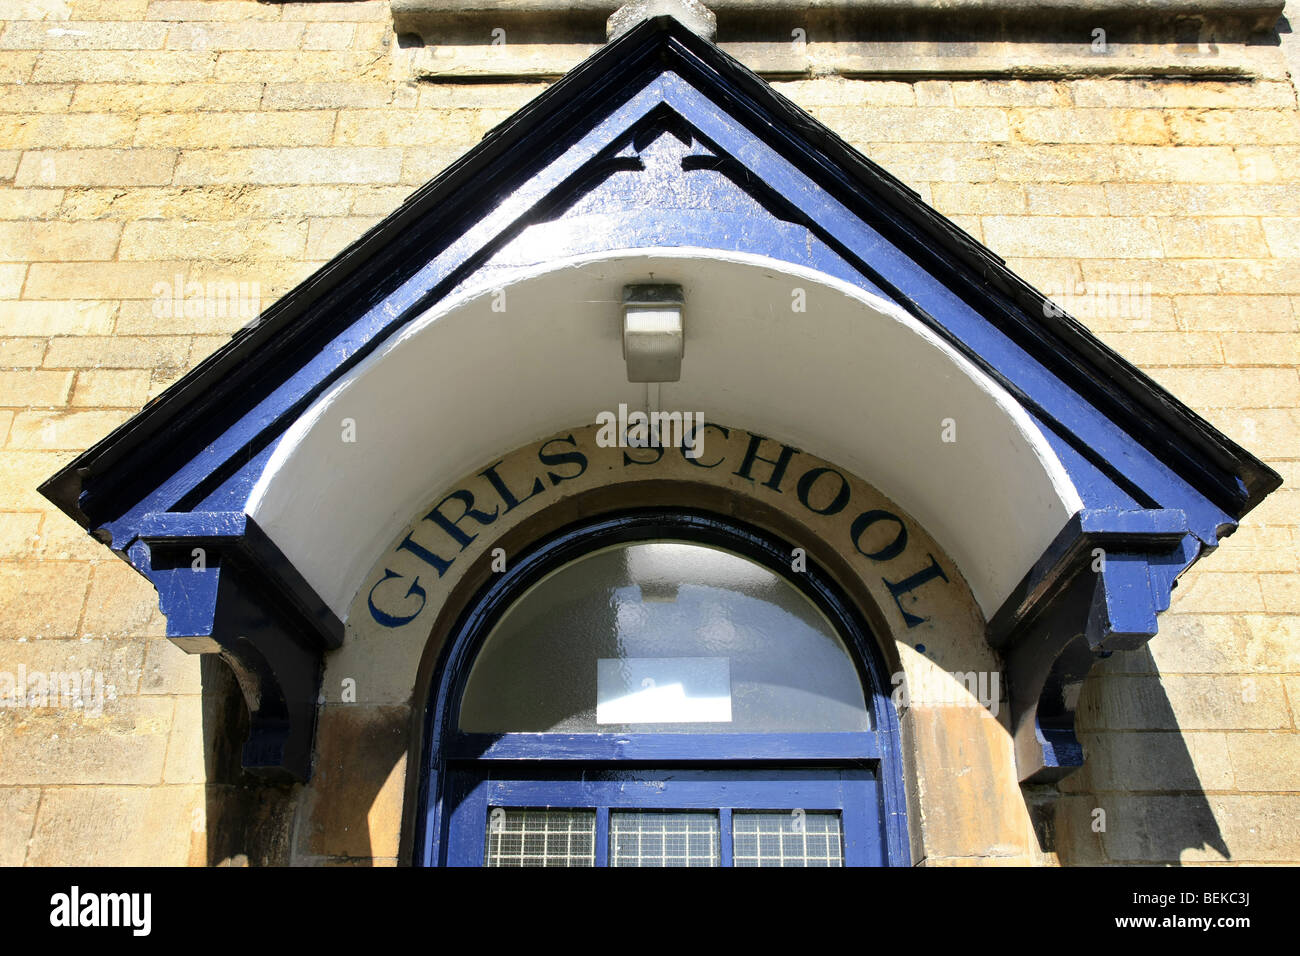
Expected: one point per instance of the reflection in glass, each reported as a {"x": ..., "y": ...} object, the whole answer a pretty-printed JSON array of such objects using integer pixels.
[{"x": 660, "y": 637}]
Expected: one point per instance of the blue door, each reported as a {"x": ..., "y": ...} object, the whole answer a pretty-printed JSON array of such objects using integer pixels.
[{"x": 662, "y": 689}]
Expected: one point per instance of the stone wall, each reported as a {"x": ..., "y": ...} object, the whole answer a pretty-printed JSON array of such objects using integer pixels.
[{"x": 146, "y": 145}]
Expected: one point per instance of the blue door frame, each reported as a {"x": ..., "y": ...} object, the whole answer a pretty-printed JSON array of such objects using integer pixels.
[{"x": 858, "y": 774}]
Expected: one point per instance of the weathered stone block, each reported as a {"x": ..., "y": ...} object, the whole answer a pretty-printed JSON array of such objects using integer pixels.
[
  {"x": 169, "y": 670},
  {"x": 224, "y": 130},
  {"x": 120, "y": 826},
  {"x": 186, "y": 752},
  {"x": 96, "y": 167},
  {"x": 58, "y": 241},
  {"x": 234, "y": 35},
  {"x": 125, "y": 744},
  {"x": 61, "y": 429},
  {"x": 41, "y": 600},
  {"x": 1266, "y": 761},
  {"x": 358, "y": 787},
  {"x": 18, "y": 809},
  {"x": 121, "y": 603},
  {"x": 1081, "y": 237},
  {"x": 291, "y": 166},
  {"x": 111, "y": 388},
  {"x": 97, "y": 352},
  {"x": 1187, "y": 702},
  {"x": 29, "y": 203},
  {"x": 31, "y": 388}
]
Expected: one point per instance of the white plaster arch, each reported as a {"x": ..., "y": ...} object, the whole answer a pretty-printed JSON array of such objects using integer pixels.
[{"x": 853, "y": 379}]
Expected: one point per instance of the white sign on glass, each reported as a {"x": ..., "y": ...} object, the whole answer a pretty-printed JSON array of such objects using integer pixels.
[{"x": 663, "y": 690}]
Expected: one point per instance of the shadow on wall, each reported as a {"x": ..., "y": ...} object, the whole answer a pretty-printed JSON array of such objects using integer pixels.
[
  {"x": 354, "y": 801},
  {"x": 1138, "y": 797},
  {"x": 249, "y": 822},
  {"x": 352, "y": 805}
]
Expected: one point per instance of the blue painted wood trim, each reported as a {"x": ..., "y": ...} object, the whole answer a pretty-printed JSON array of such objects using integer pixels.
[
  {"x": 602, "y": 836},
  {"x": 726, "y": 837},
  {"x": 1098, "y": 588},
  {"x": 226, "y": 589},
  {"x": 854, "y": 794},
  {"x": 238, "y": 535},
  {"x": 661, "y": 748},
  {"x": 1154, "y": 532}
]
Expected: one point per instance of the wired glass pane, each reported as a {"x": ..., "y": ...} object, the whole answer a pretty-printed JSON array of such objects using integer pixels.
[
  {"x": 796, "y": 838},
  {"x": 525, "y": 837},
  {"x": 658, "y": 838}
]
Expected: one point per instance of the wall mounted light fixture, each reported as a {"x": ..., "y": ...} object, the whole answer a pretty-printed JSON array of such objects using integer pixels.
[{"x": 653, "y": 338}]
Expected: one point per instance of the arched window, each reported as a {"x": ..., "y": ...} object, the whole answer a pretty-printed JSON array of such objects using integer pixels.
[{"x": 661, "y": 689}]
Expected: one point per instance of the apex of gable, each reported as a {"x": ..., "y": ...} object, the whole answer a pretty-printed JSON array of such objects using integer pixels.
[{"x": 692, "y": 14}]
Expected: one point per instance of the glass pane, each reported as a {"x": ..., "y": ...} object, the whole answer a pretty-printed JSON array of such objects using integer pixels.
[
  {"x": 788, "y": 838},
  {"x": 663, "y": 636},
  {"x": 662, "y": 838},
  {"x": 517, "y": 837}
]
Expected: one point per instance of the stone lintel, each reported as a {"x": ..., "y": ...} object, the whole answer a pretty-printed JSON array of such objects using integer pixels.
[{"x": 847, "y": 19}]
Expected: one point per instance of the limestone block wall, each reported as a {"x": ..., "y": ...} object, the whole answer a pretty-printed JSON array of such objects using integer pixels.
[{"x": 169, "y": 167}]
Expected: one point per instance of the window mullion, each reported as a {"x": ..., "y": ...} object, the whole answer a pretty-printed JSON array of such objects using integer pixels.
[
  {"x": 602, "y": 836},
  {"x": 724, "y": 830}
]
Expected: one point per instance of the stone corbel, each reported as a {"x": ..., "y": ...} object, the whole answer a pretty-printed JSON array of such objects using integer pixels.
[
  {"x": 226, "y": 589},
  {"x": 1096, "y": 590}
]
